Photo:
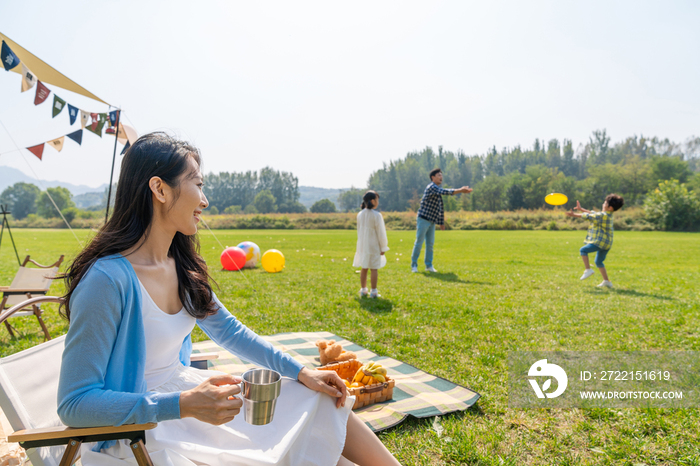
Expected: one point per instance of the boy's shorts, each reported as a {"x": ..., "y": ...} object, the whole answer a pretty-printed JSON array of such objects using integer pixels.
[{"x": 600, "y": 254}]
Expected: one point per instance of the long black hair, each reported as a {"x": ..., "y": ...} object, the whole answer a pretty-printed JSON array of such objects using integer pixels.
[
  {"x": 154, "y": 154},
  {"x": 367, "y": 199}
]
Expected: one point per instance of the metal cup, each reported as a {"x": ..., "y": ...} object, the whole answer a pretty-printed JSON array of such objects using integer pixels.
[{"x": 259, "y": 391}]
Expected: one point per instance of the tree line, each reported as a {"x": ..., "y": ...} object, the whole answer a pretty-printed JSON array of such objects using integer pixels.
[{"x": 517, "y": 178}]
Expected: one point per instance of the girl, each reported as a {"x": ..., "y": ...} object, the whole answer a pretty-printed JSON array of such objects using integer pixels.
[
  {"x": 134, "y": 295},
  {"x": 371, "y": 243}
]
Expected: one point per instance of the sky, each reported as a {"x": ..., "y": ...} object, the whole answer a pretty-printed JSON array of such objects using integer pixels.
[{"x": 331, "y": 91}]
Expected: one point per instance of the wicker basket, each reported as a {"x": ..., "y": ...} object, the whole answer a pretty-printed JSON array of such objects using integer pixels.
[{"x": 367, "y": 395}]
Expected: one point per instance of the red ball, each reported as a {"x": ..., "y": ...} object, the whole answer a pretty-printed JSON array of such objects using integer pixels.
[{"x": 233, "y": 258}]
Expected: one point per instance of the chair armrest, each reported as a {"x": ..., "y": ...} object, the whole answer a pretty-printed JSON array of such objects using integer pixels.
[
  {"x": 63, "y": 432},
  {"x": 11, "y": 290},
  {"x": 203, "y": 356}
]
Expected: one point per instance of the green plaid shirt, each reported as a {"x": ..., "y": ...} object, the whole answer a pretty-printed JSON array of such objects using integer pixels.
[{"x": 600, "y": 232}]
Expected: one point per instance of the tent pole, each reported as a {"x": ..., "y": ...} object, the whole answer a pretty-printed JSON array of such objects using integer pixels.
[{"x": 114, "y": 156}]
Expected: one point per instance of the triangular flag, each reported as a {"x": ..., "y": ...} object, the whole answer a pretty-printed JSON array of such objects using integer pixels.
[
  {"x": 113, "y": 117},
  {"x": 9, "y": 59},
  {"x": 77, "y": 136},
  {"x": 96, "y": 128},
  {"x": 57, "y": 143},
  {"x": 103, "y": 117},
  {"x": 28, "y": 79},
  {"x": 84, "y": 116},
  {"x": 127, "y": 134},
  {"x": 95, "y": 120},
  {"x": 58, "y": 105},
  {"x": 37, "y": 150},
  {"x": 126, "y": 147},
  {"x": 73, "y": 113},
  {"x": 42, "y": 93}
]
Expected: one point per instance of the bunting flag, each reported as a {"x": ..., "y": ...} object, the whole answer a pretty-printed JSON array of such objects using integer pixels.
[
  {"x": 73, "y": 113},
  {"x": 42, "y": 93},
  {"x": 84, "y": 117},
  {"x": 37, "y": 150},
  {"x": 77, "y": 136},
  {"x": 9, "y": 59},
  {"x": 57, "y": 143},
  {"x": 126, "y": 147},
  {"x": 96, "y": 128},
  {"x": 103, "y": 117},
  {"x": 28, "y": 79},
  {"x": 127, "y": 134},
  {"x": 58, "y": 105},
  {"x": 113, "y": 117}
]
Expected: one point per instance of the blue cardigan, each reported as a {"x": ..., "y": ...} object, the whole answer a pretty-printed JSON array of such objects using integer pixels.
[{"x": 102, "y": 374}]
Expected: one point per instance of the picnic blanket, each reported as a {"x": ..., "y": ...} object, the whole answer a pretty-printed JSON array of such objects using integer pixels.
[{"x": 416, "y": 393}]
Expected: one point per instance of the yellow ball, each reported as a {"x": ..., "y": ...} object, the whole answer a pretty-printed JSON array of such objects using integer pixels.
[{"x": 273, "y": 261}]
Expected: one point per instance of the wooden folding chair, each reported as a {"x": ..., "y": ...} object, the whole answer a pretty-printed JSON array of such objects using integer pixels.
[
  {"x": 29, "y": 282},
  {"x": 28, "y": 397}
]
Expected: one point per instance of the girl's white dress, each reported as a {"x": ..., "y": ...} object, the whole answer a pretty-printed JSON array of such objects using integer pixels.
[
  {"x": 307, "y": 428},
  {"x": 371, "y": 240}
]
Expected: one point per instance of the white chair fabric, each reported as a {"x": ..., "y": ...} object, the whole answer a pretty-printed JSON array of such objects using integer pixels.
[{"x": 28, "y": 392}]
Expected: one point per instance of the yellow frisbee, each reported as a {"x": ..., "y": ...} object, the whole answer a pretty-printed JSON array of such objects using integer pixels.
[{"x": 556, "y": 199}]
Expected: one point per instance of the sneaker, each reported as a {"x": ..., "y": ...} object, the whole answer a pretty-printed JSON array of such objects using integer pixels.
[
  {"x": 431, "y": 269},
  {"x": 363, "y": 292},
  {"x": 374, "y": 294},
  {"x": 605, "y": 284},
  {"x": 587, "y": 273},
  {"x": 414, "y": 269}
]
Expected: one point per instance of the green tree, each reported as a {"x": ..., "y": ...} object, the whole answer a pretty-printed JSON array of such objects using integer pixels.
[
  {"x": 672, "y": 207},
  {"x": 351, "y": 199},
  {"x": 669, "y": 168},
  {"x": 490, "y": 193},
  {"x": 324, "y": 206},
  {"x": 265, "y": 202},
  {"x": 290, "y": 207},
  {"x": 250, "y": 209},
  {"x": 20, "y": 199},
  {"x": 61, "y": 196},
  {"x": 515, "y": 194}
]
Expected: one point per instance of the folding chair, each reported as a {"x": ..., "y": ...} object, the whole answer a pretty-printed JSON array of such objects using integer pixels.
[
  {"x": 29, "y": 283},
  {"x": 28, "y": 397}
]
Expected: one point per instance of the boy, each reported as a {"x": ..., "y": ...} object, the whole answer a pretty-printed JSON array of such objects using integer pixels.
[{"x": 600, "y": 235}]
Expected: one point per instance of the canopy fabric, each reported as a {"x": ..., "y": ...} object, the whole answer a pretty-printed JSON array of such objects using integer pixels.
[{"x": 44, "y": 72}]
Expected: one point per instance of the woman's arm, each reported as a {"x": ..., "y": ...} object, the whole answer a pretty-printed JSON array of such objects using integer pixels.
[{"x": 83, "y": 397}]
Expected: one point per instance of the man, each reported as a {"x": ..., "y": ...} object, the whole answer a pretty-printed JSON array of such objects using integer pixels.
[{"x": 431, "y": 213}]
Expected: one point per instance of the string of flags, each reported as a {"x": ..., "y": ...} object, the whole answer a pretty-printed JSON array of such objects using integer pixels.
[{"x": 91, "y": 121}]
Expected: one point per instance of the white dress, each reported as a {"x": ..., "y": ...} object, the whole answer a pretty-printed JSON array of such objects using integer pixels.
[
  {"x": 371, "y": 240},
  {"x": 307, "y": 428}
]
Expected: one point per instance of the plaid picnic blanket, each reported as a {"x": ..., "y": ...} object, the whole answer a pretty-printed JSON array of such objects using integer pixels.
[{"x": 416, "y": 393}]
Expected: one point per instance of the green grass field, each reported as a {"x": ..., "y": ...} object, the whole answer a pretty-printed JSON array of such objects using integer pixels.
[{"x": 497, "y": 291}]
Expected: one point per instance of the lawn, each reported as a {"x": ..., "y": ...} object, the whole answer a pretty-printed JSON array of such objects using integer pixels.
[{"x": 496, "y": 291}]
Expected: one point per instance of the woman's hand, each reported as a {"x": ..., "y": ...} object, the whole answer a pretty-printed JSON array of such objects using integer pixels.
[
  {"x": 213, "y": 400},
  {"x": 325, "y": 382}
]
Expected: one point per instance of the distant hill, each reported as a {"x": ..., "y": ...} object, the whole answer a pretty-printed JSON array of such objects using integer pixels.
[
  {"x": 308, "y": 195},
  {"x": 10, "y": 176}
]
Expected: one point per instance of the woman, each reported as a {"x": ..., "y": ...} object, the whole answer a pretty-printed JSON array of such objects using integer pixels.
[{"x": 134, "y": 295}]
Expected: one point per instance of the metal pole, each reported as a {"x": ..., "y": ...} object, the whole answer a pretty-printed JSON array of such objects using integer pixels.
[
  {"x": 6, "y": 221},
  {"x": 114, "y": 156}
]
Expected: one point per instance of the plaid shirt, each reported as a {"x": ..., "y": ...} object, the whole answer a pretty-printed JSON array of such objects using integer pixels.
[
  {"x": 600, "y": 233},
  {"x": 431, "y": 208}
]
